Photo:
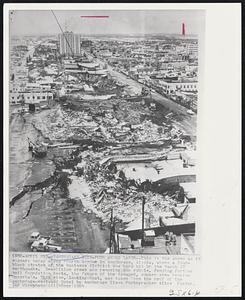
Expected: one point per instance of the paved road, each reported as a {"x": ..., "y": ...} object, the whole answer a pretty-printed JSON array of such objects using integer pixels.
[
  {"x": 29, "y": 53},
  {"x": 188, "y": 122}
]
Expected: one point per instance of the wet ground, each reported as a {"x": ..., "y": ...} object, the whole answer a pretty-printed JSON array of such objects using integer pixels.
[
  {"x": 70, "y": 225},
  {"x": 65, "y": 219},
  {"x": 25, "y": 169}
]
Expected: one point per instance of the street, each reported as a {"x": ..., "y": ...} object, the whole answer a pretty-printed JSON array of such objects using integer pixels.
[{"x": 188, "y": 122}]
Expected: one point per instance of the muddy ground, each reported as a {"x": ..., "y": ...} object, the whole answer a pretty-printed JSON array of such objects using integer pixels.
[
  {"x": 65, "y": 220},
  {"x": 74, "y": 228}
]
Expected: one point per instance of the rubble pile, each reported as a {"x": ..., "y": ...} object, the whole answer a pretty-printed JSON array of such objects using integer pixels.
[
  {"x": 147, "y": 131},
  {"x": 127, "y": 206},
  {"x": 101, "y": 188},
  {"x": 131, "y": 112},
  {"x": 120, "y": 123},
  {"x": 109, "y": 189},
  {"x": 63, "y": 124},
  {"x": 107, "y": 85}
]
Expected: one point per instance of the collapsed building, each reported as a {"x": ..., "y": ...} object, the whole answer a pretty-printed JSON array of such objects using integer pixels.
[{"x": 122, "y": 157}]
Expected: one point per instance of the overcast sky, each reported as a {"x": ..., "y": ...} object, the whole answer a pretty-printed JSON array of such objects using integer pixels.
[{"x": 119, "y": 22}]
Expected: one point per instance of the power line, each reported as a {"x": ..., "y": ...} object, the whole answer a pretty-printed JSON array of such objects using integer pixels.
[{"x": 62, "y": 31}]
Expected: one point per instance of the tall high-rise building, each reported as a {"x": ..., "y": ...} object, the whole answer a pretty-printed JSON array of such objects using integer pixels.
[{"x": 69, "y": 43}]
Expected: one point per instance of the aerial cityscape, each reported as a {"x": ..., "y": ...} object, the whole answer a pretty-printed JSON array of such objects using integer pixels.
[{"x": 102, "y": 134}]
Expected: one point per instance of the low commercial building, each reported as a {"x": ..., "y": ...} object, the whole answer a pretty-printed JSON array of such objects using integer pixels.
[
  {"x": 38, "y": 87},
  {"x": 192, "y": 48},
  {"x": 16, "y": 88},
  {"x": 184, "y": 84},
  {"x": 35, "y": 98},
  {"x": 89, "y": 66},
  {"x": 31, "y": 98}
]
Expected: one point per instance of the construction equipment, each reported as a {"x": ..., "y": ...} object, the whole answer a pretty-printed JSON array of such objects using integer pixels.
[
  {"x": 43, "y": 245},
  {"x": 35, "y": 236},
  {"x": 38, "y": 150}
]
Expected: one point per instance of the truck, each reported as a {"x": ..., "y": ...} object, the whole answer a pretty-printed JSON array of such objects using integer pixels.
[
  {"x": 35, "y": 236},
  {"x": 43, "y": 245}
]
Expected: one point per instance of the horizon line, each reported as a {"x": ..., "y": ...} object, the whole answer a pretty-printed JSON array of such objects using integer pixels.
[{"x": 93, "y": 34}]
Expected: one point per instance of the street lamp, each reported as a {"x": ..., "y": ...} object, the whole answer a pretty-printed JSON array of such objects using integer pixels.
[
  {"x": 143, "y": 221},
  {"x": 112, "y": 231}
]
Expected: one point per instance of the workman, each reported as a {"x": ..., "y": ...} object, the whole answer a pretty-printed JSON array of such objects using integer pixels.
[
  {"x": 173, "y": 239},
  {"x": 43, "y": 190},
  {"x": 167, "y": 238},
  {"x": 170, "y": 237}
]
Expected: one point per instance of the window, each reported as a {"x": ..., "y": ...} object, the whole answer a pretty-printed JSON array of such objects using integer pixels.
[
  {"x": 38, "y": 97},
  {"x": 43, "y": 97},
  {"x": 12, "y": 97}
]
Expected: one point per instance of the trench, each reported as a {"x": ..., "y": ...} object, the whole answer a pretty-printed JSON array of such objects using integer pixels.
[
  {"x": 55, "y": 178},
  {"x": 29, "y": 210},
  {"x": 29, "y": 188}
]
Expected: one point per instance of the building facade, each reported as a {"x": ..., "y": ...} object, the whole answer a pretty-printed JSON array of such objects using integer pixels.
[
  {"x": 192, "y": 49},
  {"x": 31, "y": 97},
  {"x": 185, "y": 86},
  {"x": 69, "y": 44}
]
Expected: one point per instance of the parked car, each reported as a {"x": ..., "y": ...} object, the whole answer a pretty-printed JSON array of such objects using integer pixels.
[
  {"x": 43, "y": 245},
  {"x": 34, "y": 237},
  {"x": 190, "y": 112}
]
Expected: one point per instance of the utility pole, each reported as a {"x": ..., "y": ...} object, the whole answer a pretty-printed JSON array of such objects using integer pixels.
[
  {"x": 143, "y": 221},
  {"x": 22, "y": 104},
  {"x": 111, "y": 231}
]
